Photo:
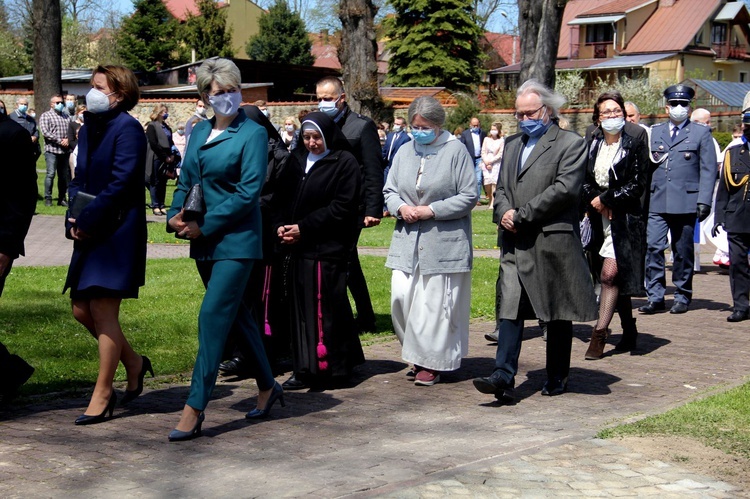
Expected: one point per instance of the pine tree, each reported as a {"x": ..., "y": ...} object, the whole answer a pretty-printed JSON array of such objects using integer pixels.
[
  {"x": 282, "y": 38},
  {"x": 148, "y": 38},
  {"x": 207, "y": 32},
  {"x": 433, "y": 43}
]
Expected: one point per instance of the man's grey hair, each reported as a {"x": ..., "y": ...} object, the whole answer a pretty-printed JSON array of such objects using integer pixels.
[
  {"x": 22, "y": 98},
  {"x": 222, "y": 71},
  {"x": 551, "y": 99},
  {"x": 633, "y": 105},
  {"x": 428, "y": 108}
]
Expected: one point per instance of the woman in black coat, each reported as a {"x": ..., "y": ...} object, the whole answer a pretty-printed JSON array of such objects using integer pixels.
[
  {"x": 316, "y": 222},
  {"x": 616, "y": 176},
  {"x": 109, "y": 252},
  {"x": 159, "y": 153}
]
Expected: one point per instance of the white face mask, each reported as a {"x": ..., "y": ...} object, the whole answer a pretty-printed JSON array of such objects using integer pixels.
[
  {"x": 678, "y": 113},
  {"x": 201, "y": 111},
  {"x": 493, "y": 133},
  {"x": 613, "y": 125},
  {"x": 225, "y": 104},
  {"x": 97, "y": 101},
  {"x": 397, "y": 128},
  {"x": 289, "y": 128}
]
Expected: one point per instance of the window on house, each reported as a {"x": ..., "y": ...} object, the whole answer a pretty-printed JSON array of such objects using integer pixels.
[
  {"x": 698, "y": 40},
  {"x": 719, "y": 33},
  {"x": 743, "y": 76},
  {"x": 599, "y": 33},
  {"x": 720, "y": 75}
]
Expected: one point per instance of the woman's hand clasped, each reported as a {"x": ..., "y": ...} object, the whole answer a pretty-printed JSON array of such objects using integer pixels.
[
  {"x": 600, "y": 207},
  {"x": 411, "y": 214},
  {"x": 76, "y": 233},
  {"x": 289, "y": 234},
  {"x": 188, "y": 230}
]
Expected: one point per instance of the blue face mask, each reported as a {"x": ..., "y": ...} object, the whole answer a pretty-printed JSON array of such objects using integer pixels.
[
  {"x": 329, "y": 107},
  {"x": 165, "y": 116},
  {"x": 532, "y": 128},
  {"x": 423, "y": 137},
  {"x": 22, "y": 108},
  {"x": 59, "y": 107}
]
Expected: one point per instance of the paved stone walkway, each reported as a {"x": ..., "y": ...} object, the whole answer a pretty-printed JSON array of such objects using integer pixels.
[{"x": 383, "y": 436}]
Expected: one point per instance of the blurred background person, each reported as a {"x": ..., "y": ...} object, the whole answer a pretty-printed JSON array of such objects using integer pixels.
[
  {"x": 198, "y": 116},
  {"x": 616, "y": 178},
  {"x": 431, "y": 189},
  {"x": 289, "y": 133},
  {"x": 23, "y": 117},
  {"x": 109, "y": 250},
  {"x": 54, "y": 127},
  {"x": 227, "y": 156},
  {"x": 76, "y": 122},
  {"x": 180, "y": 140},
  {"x": 492, "y": 154},
  {"x": 160, "y": 159},
  {"x": 316, "y": 222}
]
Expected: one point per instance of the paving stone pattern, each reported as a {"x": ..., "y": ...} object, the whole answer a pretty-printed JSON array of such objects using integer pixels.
[{"x": 383, "y": 436}]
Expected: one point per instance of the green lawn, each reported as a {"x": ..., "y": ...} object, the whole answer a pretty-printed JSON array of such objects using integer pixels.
[
  {"x": 36, "y": 322},
  {"x": 721, "y": 421}
]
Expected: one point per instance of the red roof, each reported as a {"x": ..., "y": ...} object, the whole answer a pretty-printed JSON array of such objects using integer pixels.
[
  {"x": 503, "y": 45},
  {"x": 616, "y": 7},
  {"x": 672, "y": 28},
  {"x": 181, "y": 8},
  {"x": 572, "y": 9}
]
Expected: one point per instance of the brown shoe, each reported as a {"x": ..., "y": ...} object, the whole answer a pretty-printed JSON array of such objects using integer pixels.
[{"x": 596, "y": 346}]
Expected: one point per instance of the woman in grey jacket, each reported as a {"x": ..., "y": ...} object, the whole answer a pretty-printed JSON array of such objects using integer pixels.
[{"x": 431, "y": 189}]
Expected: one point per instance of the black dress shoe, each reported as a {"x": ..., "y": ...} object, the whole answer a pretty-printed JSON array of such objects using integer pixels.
[
  {"x": 652, "y": 307},
  {"x": 62, "y": 203},
  {"x": 293, "y": 383},
  {"x": 497, "y": 386},
  {"x": 493, "y": 336},
  {"x": 555, "y": 386},
  {"x": 47, "y": 202},
  {"x": 678, "y": 308},
  {"x": 233, "y": 367},
  {"x": 738, "y": 316}
]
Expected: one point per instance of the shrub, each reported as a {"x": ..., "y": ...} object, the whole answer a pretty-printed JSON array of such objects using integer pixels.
[
  {"x": 569, "y": 84},
  {"x": 645, "y": 93}
]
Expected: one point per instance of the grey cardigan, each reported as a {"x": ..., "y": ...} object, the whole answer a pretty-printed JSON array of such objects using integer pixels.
[{"x": 440, "y": 245}]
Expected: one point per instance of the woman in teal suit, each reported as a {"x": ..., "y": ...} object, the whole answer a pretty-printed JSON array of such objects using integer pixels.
[{"x": 227, "y": 156}]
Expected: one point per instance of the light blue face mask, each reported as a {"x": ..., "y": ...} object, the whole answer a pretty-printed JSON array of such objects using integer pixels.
[
  {"x": 59, "y": 107},
  {"x": 532, "y": 128},
  {"x": 22, "y": 108},
  {"x": 329, "y": 107},
  {"x": 423, "y": 137}
]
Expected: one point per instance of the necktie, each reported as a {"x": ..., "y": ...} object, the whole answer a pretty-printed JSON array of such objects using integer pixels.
[{"x": 674, "y": 132}]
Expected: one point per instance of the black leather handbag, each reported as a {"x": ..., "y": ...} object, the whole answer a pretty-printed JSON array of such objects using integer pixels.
[{"x": 194, "y": 204}]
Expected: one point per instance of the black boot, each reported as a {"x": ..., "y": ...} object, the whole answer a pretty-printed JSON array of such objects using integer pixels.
[
  {"x": 14, "y": 374},
  {"x": 629, "y": 336}
]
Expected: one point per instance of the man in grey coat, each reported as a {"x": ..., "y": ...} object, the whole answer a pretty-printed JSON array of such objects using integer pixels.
[{"x": 543, "y": 270}]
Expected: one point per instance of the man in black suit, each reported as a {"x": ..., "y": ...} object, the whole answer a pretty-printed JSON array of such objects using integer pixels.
[
  {"x": 472, "y": 139},
  {"x": 733, "y": 214},
  {"x": 362, "y": 135},
  {"x": 17, "y": 202},
  {"x": 393, "y": 141}
]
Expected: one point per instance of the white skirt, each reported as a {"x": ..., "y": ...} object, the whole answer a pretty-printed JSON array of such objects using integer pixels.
[
  {"x": 608, "y": 248},
  {"x": 431, "y": 317}
]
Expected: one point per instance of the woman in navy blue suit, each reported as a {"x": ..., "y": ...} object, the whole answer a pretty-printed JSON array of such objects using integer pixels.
[
  {"x": 109, "y": 252},
  {"x": 228, "y": 156}
]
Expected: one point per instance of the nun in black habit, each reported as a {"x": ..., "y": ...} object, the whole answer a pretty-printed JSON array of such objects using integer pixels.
[{"x": 315, "y": 205}]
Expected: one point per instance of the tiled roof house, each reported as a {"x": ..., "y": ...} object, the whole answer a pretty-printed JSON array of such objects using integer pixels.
[{"x": 666, "y": 40}]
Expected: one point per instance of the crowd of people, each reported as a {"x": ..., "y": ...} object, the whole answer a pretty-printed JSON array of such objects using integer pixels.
[{"x": 273, "y": 216}]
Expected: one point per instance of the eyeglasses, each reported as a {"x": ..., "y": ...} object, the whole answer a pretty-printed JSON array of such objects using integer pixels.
[
  {"x": 683, "y": 103},
  {"x": 528, "y": 114},
  {"x": 57, "y": 102},
  {"x": 611, "y": 113},
  {"x": 421, "y": 128}
]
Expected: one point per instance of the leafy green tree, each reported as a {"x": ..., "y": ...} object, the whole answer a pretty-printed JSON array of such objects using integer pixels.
[
  {"x": 13, "y": 58},
  {"x": 75, "y": 44},
  {"x": 433, "y": 43},
  {"x": 207, "y": 32},
  {"x": 282, "y": 38},
  {"x": 148, "y": 39}
]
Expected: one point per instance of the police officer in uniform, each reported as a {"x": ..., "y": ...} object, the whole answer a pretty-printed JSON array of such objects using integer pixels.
[
  {"x": 733, "y": 214},
  {"x": 681, "y": 190}
]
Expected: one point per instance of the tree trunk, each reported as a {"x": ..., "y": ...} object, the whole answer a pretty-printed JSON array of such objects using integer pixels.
[
  {"x": 47, "y": 29},
  {"x": 539, "y": 22},
  {"x": 358, "y": 55}
]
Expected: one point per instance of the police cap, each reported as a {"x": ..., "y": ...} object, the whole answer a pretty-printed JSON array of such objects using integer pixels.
[{"x": 679, "y": 92}]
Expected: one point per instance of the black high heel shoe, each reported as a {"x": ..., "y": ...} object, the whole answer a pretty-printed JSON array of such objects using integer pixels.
[
  {"x": 179, "y": 436},
  {"x": 276, "y": 394},
  {"x": 85, "y": 419},
  {"x": 131, "y": 395}
]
